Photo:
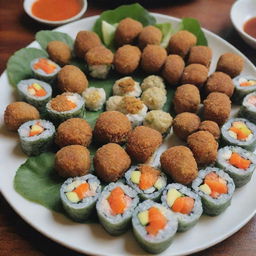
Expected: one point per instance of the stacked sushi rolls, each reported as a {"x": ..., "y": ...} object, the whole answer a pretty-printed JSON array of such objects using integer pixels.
[
  {"x": 154, "y": 226},
  {"x": 115, "y": 207},
  {"x": 216, "y": 188},
  {"x": 238, "y": 163},
  {"x": 184, "y": 203},
  {"x": 35, "y": 92},
  {"x": 248, "y": 108},
  {"x": 239, "y": 132},
  {"x": 147, "y": 181},
  {"x": 79, "y": 195},
  {"x": 36, "y": 136}
]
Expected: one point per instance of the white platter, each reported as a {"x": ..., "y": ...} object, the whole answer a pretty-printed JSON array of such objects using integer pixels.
[{"x": 91, "y": 238}]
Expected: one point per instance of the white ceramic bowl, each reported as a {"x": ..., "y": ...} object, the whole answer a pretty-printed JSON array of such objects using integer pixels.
[
  {"x": 241, "y": 11},
  {"x": 27, "y": 5}
]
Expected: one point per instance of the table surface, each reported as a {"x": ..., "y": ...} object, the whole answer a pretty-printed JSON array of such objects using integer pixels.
[{"x": 17, "y": 30}]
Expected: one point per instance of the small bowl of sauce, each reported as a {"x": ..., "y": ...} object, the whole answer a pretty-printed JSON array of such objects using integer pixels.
[
  {"x": 250, "y": 27},
  {"x": 55, "y": 12}
]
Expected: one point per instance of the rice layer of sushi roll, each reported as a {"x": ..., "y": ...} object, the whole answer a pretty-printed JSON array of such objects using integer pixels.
[
  {"x": 148, "y": 181},
  {"x": 239, "y": 132},
  {"x": 243, "y": 86},
  {"x": 248, "y": 108},
  {"x": 36, "y": 136},
  {"x": 65, "y": 106},
  {"x": 216, "y": 188},
  {"x": 44, "y": 69},
  {"x": 35, "y": 92},
  {"x": 184, "y": 203},
  {"x": 238, "y": 163},
  {"x": 115, "y": 207},
  {"x": 79, "y": 195},
  {"x": 154, "y": 226}
]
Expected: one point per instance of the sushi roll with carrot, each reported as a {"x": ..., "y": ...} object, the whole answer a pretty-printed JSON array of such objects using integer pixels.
[
  {"x": 44, "y": 69},
  {"x": 184, "y": 203},
  {"x": 238, "y": 163},
  {"x": 216, "y": 188},
  {"x": 154, "y": 226},
  {"x": 248, "y": 108},
  {"x": 115, "y": 207},
  {"x": 147, "y": 181},
  {"x": 36, "y": 136},
  {"x": 239, "y": 132},
  {"x": 79, "y": 195},
  {"x": 35, "y": 92}
]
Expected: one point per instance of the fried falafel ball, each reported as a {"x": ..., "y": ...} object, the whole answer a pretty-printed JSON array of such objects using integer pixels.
[
  {"x": 99, "y": 60},
  {"x": 110, "y": 162},
  {"x": 217, "y": 107},
  {"x": 113, "y": 103},
  {"x": 18, "y": 113},
  {"x": 85, "y": 40},
  {"x": 74, "y": 131},
  {"x": 149, "y": 35},
  {"x": 59, "y": 52},
  {"x": 204, "y": 147},
  {"x": 210, "y": 127},
  {"x": 112, "y": 126},
  {"x": 195, "y": 74},
  {"x": 200, "y": 55},
  {"x": 127, "y": 31},
  {"x": 230, "y": 63},
  {"x": 152, "y": 81},
  {"x": 173, "y": 69},
  {"x": 72, "y": 161},
  {"x": 180, "y": 164},
  {"x": 71, "y": 79},
  {"x": 181, "y": 42},
  {"x": 185, "y": 124},
  {"x": 186, "y": 99},
  {"x": 153, "y": 58},
  {"x": 127, "y": 59},
  {"x": 154, "y": 98},
  {"x": 142, "y": 143},
  {"x": 219, "y": 82}
]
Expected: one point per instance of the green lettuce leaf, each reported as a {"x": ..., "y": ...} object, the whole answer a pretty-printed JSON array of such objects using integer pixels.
[{"x": 166, "y": 29}]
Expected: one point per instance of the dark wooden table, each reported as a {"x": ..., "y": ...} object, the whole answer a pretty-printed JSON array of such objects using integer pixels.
[{"x": 17, "y": 238}]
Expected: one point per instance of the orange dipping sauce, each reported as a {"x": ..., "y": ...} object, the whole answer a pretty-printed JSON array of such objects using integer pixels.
[
  {"x": 56, "y": 10},
  {"x": 250, "y": 27}
]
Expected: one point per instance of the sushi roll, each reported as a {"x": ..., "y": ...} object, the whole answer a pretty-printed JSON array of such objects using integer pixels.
[
  {"x": 184, "y": 203},
  {"x": 36, "y": 136},
  {"x": 94, "y": 98},
  {"x": 35, "y": 92},
  {"x": 238, "y": 163},
  {"x": 248, "y": 108},
  {"x": 65, "y": 106},
  {"x": 79, "y": 195},
  {"x": 216, "y": 188},
  {"x": 243, "y": 86},
  {"x": 115, "y": 207},
  {"x": 154, "y": 226},
  {"x": 44, "y": 69},
  {"x": 147, "y": 181},
  {"x": 239, "y": 132}
]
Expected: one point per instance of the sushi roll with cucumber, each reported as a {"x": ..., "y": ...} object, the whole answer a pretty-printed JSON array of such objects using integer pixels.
[
  {"x": 79, "y": 195},
  {"x": 238, "y": 163},
  {"x": 184, "y": 203},
  {"x": 248, "y": 108},
  {"x": 239, "y": 132},
  {"x": 243, "y": 86},
  {"x": 36, "y": 136},
  {"x": 65, "y": 106},
  {"x": 216, "y": 188},
  {"x": 115, "y": 207},
  {"x": 35, "y": 92},
  {"x": 44, "y": 69},
  {"x": 154, "y": 226},
  {"x": 147, "y": 181}
]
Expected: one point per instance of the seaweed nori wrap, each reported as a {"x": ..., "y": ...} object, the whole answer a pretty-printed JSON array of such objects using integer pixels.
[{"x": 248, "y": 108}]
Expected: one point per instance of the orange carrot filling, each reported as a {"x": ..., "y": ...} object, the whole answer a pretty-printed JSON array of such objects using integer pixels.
[
  {"x": 45, "y": 65},
  {"x": 184, "y": 204},
  {"x": 81, "y": 190},
  {"x": 157, "y": 221},
  {"x": 36, "y": 129},
  {"x": 241, "y": 130},
  {"x": 248, "y": 83},
  {"x": 149, "y": 176},
  {"x": 239, "y": 162},
  {"x": 36, "y": 90},
  {"x": 117, "y": 201}
]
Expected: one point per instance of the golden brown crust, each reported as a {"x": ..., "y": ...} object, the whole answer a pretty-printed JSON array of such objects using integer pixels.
[
  {"x": 127, "y": 85},
  {"x": 59, "y": 103},
  {"x": 99, "y": 55},
  {"x": 59, "y": 52},
  {"x": 180, "y": 164},
  {"x": 210, "y": 127},
  {"x": 200, "y": 55},
  {"x": 150, "y": 35}
]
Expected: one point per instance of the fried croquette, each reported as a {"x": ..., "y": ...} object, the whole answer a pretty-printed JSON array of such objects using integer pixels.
[
  {"x": 180, "y": 164},
  {"x": 210, "y": 127},
  {"x": 200, "y": 55},
  {"x": 110, "y": 162},
  {"x": 99, "y": 55},
  {"x": 149, "y": 35}
]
